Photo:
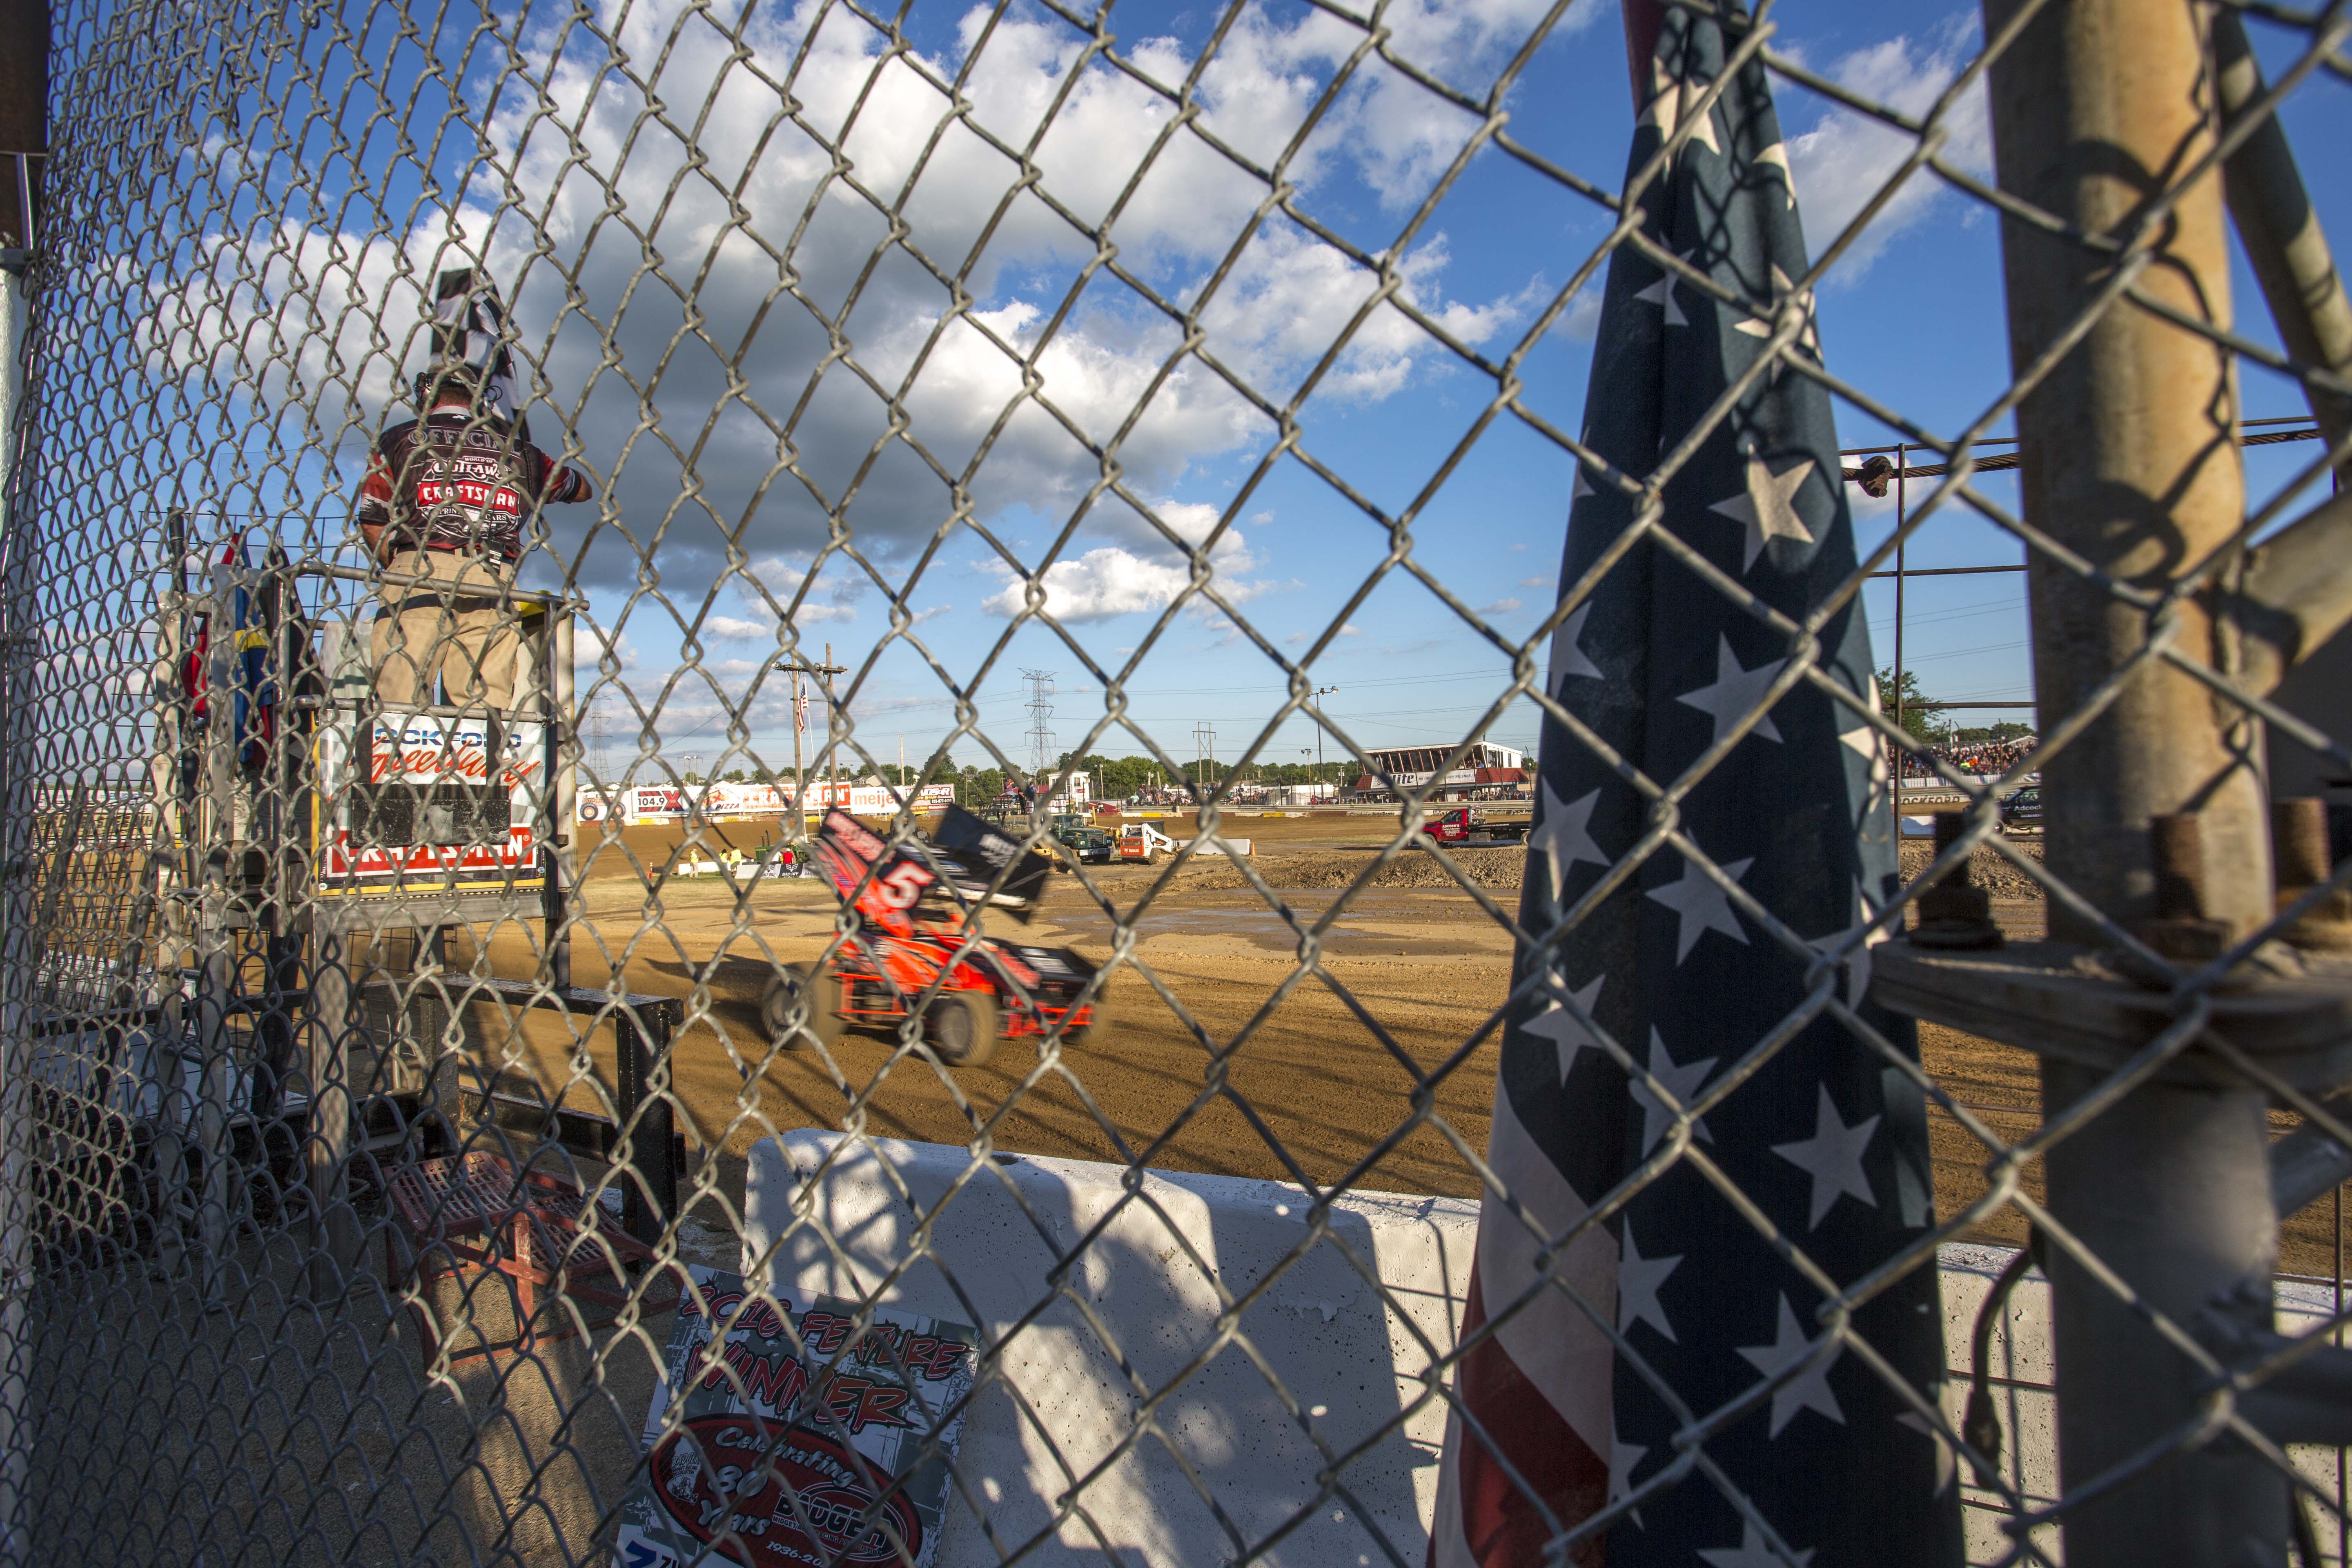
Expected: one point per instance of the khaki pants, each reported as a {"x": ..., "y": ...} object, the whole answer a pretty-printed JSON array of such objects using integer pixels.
[{"x": 459, "y": 635}]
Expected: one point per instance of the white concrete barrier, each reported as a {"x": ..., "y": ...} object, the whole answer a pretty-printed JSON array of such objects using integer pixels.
[
  {"x": 1353, "y": 1361},
  {"x": 1350, "y": 1360},
  {"x": 2022, "y": 1368},
  {"x": 1221, "y": 844}
]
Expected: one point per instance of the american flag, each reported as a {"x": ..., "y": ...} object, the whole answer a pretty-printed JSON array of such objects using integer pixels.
[
  {"x": 1826, "y": 1138},
  {"x": 800, "y": 711}
]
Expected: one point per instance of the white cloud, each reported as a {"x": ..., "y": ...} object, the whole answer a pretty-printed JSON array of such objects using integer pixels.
[
  {"x": 1291, "y": 297},
  {"x": 1535, "y": 582},
  {"x": 1111, "y": 580},
  {"x": 1351, "y": 630},
  {"x": 720, "y": 453},
  {"x": 1499, "y": 607},
  {"x": 1844, "y": 160}
]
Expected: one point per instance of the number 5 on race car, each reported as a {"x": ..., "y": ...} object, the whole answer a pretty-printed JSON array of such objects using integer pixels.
[{"x": 903, "y": 886}]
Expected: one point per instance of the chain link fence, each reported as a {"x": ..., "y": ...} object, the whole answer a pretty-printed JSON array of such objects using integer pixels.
[{"x": 412, "y": 1156}]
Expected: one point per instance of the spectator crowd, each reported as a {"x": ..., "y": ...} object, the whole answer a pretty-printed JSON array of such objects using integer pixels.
[{"x": 1987, "y": 758}]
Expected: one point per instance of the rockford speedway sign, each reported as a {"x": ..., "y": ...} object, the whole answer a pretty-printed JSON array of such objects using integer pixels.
[
  {"x": 795, "y": 1449},
  {"x": 423, "y": 802}
]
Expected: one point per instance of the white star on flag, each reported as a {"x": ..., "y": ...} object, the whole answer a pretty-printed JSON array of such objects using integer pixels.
[
  {"x": 1947, "y": 1462},
  {"x": 1808, "y": 336},
  {"x": 1564, "y": 837},
  {"x": 1674, "y": 100},
  {"x": 1579, "y": 487},
  {"x": 1767, "y": 507},
  {"x": 1809, "y": 1390},
  {"x": 1701, "y": 905},
  {"x": 1735, "y": 691},
  {"x": 1568, "y": 655},
  {"x": 1623, "y": 1459},
  {"x": 1865, "y": 743},
  {"x": 1662, "y": 293},
  {"x": 1558, "y": 1025},
  {"x": 1857, "y": 963},
  {"x": 1683, "y": 1083},
  {"x": 1776, "y": 156},
  {"x": 1638, "y": 1278},
  {"x": 1751, "y": 1552},
  {"x": 1832, "y": 1157}
]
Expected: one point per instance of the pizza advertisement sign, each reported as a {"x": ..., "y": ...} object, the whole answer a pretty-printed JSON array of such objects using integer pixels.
[{"x": 797, "y": 1459}]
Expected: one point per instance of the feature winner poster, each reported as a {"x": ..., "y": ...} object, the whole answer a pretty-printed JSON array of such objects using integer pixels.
[{"x": 838, "y": 1428}]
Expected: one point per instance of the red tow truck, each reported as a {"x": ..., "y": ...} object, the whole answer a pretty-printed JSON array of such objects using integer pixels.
[{"x": 1470, "y": 826}]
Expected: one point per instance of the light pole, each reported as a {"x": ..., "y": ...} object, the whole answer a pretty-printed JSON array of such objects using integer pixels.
[{"x": 1320, "y": 691}]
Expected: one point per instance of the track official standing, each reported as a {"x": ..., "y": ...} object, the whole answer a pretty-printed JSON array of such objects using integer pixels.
[{"x": 446, "y": 499}]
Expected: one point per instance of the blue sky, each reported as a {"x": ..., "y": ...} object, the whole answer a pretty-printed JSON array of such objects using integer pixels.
[{"x": 604, "y": 247}]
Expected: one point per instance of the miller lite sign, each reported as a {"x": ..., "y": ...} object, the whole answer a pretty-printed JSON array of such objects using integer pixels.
[{"x": 415, "y": 801}]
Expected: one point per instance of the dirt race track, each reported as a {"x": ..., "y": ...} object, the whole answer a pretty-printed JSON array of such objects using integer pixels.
[{"x": 1313, "y": 1090}]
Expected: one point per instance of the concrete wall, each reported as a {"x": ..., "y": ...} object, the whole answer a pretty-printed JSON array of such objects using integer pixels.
[
  {"x": 1144, "y": 1288},
  {"x": 1141, "y": 1289},
  {"x": 2020, "y": 1367}
]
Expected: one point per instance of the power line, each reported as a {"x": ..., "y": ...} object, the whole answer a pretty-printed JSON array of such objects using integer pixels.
[
  {"x": 1041, "y": 714},
  {"x": 1204, "y": 747}
]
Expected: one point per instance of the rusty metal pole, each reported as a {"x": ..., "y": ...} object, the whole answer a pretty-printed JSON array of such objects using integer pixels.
[
  {"x": 2280, "y": 230},
  {"x": 2129, "y": 456}
]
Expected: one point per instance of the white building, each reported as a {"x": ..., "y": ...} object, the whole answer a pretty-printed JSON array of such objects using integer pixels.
[{"x": 1484, "y": 770}]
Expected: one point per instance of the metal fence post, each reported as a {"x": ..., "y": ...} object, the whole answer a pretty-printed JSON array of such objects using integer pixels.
[
  {"x": 564, "y": 794},
  {"x": 17, "y": 1152},
  {"x": 2100, "y": 108},
  {"x": 334, "y": 1229}
]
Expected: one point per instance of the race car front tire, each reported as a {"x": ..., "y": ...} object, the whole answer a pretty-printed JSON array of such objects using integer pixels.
[{"x": 961, "y": 1027}]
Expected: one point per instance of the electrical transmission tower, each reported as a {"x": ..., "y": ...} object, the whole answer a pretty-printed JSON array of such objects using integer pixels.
[
  {"x": 1041, "y": 727},
  {"x": 600, "y": 758},
  {"x": 1204, "y": 744}
]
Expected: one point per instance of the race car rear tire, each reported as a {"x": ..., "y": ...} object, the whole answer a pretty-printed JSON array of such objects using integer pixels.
[
  {"x": 961, "y": 1027},
  {"x": 1098, "y": 1022},
  {"x": 796, "y": 1010}
]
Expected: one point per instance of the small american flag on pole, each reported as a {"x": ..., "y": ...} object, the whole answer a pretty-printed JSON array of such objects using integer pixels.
[
  {"x": 800, "y": 712},
  {"x": 1664, "y": 988}
]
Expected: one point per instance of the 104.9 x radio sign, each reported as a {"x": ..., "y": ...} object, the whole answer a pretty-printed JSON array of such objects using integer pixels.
[{"x": 797, "y": 1453}]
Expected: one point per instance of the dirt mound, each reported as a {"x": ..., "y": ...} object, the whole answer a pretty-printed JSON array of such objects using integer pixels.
[{"x": 1994, "y": 871}]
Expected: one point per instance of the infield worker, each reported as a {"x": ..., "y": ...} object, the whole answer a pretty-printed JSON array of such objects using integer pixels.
[{"x": 446, "y": 499}]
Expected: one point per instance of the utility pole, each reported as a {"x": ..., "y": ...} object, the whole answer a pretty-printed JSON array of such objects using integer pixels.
[
  {"x": 1320, "y": 691},
  {"x": 824, "y": 672},
  {"x": 1205, "y": 748},
  {"x": 832, "y": 721}
]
